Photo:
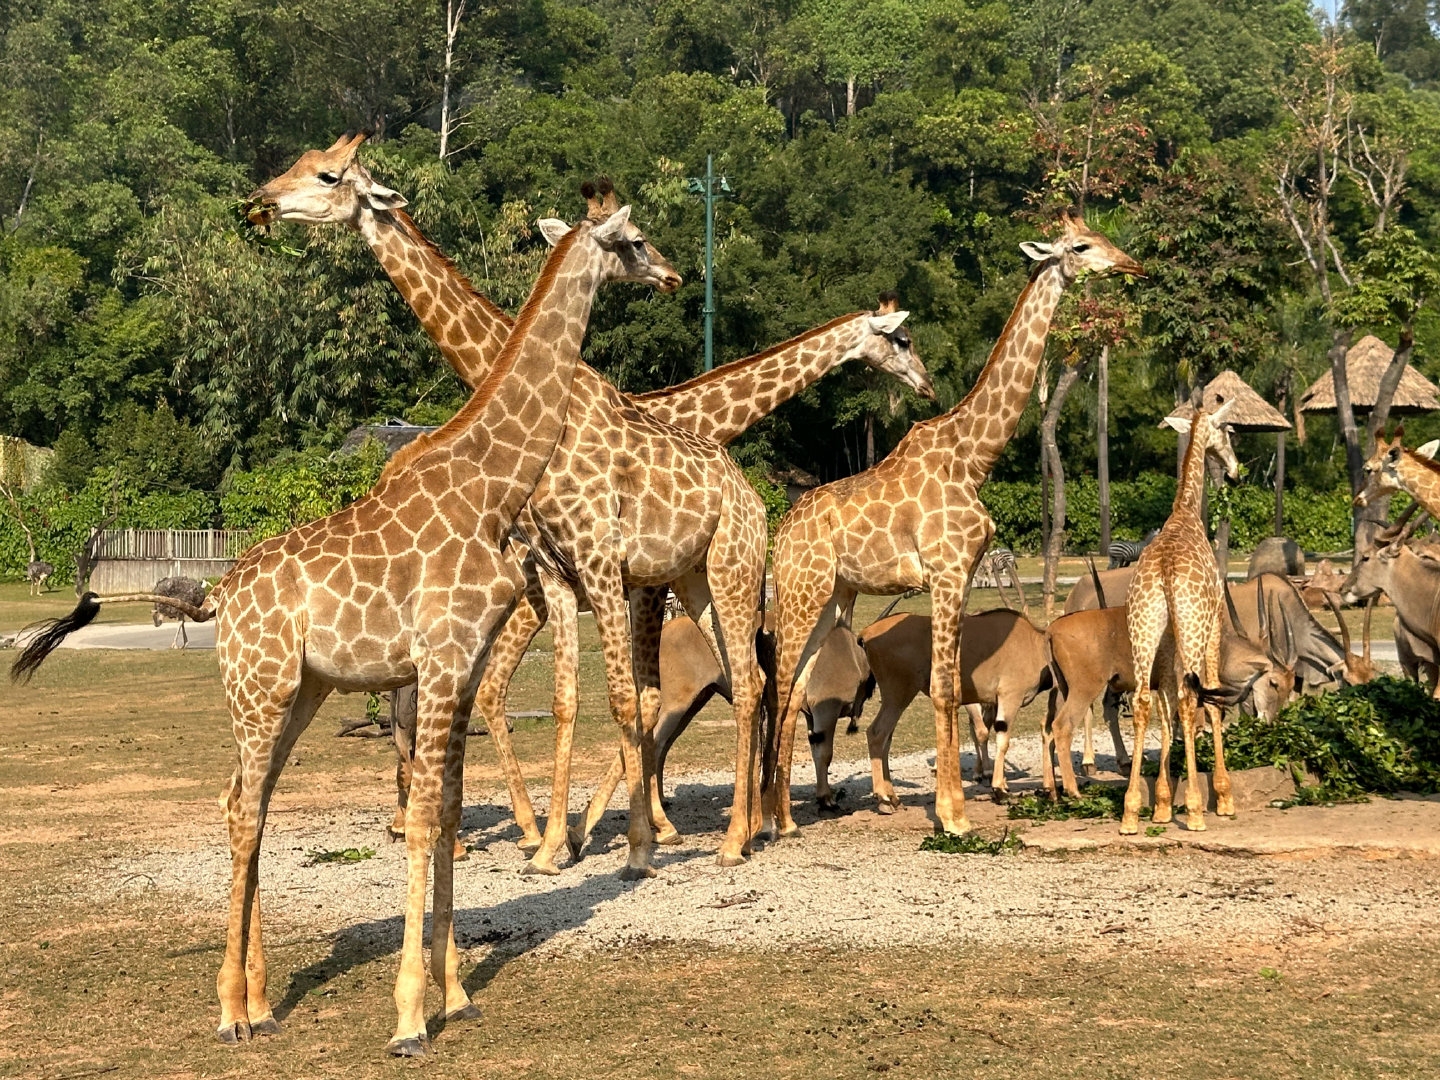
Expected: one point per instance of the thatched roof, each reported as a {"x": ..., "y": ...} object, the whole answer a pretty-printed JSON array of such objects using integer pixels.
[
  {"x": 1251, "y": 411},
  {"x": 1365, "y": 363},
  {"x": 22, "y": 465},
  {"x": 392, "y": 435}
]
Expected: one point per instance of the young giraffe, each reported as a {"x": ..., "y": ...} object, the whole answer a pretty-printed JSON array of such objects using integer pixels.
[
  {"x": 915, "y": 521},
  {"x": 332, "y": 187},
  {"x": 1177, "y": 585},
  {"x": 410, "y": 579},
  {"x": 1392, "y": 468}
]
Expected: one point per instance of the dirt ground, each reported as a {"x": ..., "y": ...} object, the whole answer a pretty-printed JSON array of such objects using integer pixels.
[{"x": 845, "y": 951}]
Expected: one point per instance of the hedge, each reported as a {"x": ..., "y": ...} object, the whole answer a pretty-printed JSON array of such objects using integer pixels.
[{"x": 1317, "y": 521}]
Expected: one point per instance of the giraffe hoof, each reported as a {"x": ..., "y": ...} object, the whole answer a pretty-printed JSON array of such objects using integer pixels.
[
  {"x": 413, "y": 1046},
  {"x": 468, "y": 1011},
  {"x": 1163, "y": 815},
  {"x": 637, "y": 873},
  {"x": 1129, "y": 828},
  {"x": 234, "y": 1034},
  {"x": 1195, "y": 824},
  {"x": 267, "y": 1026},
  {"x": 534, "y": 869},
  {"x": 528, "y": 846},
  {"x": 669, "y": 836},
  {"x": 725, "y": 859},
  {"x": 1225, "y": 808}
]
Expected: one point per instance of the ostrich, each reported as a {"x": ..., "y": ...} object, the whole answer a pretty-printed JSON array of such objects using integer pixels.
[{"x": 185, "y": 589}]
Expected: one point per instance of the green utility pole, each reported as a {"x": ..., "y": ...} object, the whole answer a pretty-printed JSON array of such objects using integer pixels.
[{"x": 710, "y": 187}]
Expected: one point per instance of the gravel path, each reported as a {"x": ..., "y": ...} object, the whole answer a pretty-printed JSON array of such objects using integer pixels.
[{"x": 855, "y": 881}]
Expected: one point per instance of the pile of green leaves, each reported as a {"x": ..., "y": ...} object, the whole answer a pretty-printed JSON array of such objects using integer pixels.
[
  {"x": 1094, "y": 801},
  {"x": 342, "y": 855},
  {"x": 971, "y": 844},
  {"x": 1379, "y": 738}
]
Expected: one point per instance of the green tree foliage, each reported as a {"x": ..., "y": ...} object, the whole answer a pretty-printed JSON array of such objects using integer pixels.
[{"x": 871, "y": 144}]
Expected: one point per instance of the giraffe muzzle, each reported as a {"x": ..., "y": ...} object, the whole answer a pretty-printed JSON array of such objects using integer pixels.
[{"x": 259, "y": 210}]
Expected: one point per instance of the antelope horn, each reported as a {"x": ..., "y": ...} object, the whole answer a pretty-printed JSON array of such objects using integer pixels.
[
  {"x": 1292, "y": 654},
  {"x": 1095, "y": 577},
  {"x": 1369, "y": 610},
  {"x": 1344, "y": 630},
  {"x": 1234, "y": 615},
  {"x": 1262, "y": 611}
]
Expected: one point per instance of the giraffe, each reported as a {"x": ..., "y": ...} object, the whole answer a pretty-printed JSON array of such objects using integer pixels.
[
  {"x": 1177, "y": 587},
  {"x": 332, "y": 187},
  {"x": 409, "y": 579},
  {"x": 915, "y": 521},
  {"x": 1392, "y": 468}
]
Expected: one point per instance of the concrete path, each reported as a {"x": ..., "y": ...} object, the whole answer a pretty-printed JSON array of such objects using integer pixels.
[{"x": 138, "y": 636}]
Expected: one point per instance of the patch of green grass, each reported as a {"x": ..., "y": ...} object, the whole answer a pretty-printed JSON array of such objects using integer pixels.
[
  {"x": 340, "y": 855},
  {"x": 971, "y": 844},
  {"x": 1094, "y": 801},
  {"x": 1154, "y": 830}
]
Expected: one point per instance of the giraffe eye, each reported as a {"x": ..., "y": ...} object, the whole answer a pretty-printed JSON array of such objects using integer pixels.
[
  {"x": 329, "y": 178},
  {"x": 1082, "y": 247},
  {"x": 640, "y": 244}
]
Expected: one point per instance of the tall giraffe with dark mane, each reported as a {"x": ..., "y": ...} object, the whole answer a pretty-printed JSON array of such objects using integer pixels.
[
  {"x": 915, "y": 521},
  {"x": 333, "y": 187},
  {"x": 408, "y": 580}
]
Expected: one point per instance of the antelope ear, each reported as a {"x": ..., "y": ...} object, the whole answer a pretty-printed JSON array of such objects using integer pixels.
[
  {"x": 1179, "y": 423},
  {"x": 552, "y": 229},
  {"x": 1038, "y": 251},
  {"x": 612, "y": 228},
  {"x": 888, "y": 323}
]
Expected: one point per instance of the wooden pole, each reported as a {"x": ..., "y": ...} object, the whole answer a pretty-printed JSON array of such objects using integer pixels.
[
  {"x": 1102, "y": 448},
  {"x": 1280, "y": 483}
]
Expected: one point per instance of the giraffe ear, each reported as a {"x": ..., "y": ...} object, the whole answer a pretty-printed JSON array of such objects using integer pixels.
[
  {"x": 381, "y": 197},
  {"x": 1179, "y": 423},
  {"x": 1037, "y": 251},
  {"x": 552, "y": 229},
  {"x": 887, "y": 323},
  {"x": 612, "y": 228},
  {"x": 1428, "y": 450}
]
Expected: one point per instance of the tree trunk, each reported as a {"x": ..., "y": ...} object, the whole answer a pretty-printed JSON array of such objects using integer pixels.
[
  {"x": 1344, "y": 411},
  {"x": 1050, "y": 452},
  {"x": 850, "y": 96},
  {"x": 869, "y": 440},
  {"x": 1280, "y": 481},
  {"x": 1102, "y": 447},
  {"x": 1372, "y": 518},
  {"x": 1222, "y": 527},
  {"x": 454, "y": 12}
]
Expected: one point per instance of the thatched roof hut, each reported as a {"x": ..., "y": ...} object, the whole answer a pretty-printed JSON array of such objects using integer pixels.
[
  {"x": 1251, "y": 412},
  {"x": 392, "y": 435},
  {"x": 1365, "y": 363}
]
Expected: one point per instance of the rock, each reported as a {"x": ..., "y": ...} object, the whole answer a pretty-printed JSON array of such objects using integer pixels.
[{"x": 1253, "y": 789}]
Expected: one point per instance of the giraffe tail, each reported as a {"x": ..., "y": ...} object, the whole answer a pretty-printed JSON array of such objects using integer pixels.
[
  {"x": 44, "y": 637},
  {"x": 1223, "y": 696}
]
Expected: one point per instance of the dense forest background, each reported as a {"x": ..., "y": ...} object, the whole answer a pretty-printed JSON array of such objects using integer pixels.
[{"x": 1276, "y": 173}]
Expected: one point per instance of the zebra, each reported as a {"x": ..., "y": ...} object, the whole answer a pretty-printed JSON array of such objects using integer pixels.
[{"x": 1125, "y": 552}]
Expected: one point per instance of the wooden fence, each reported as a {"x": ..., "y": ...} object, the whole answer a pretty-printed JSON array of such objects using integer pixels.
[{"x": 133, "y": 560}]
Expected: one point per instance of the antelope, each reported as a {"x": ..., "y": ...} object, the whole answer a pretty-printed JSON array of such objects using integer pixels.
[
  {"x": 1321, "y": 659},
  {"x": 1003, "y": 665},
  {"x": 1413, "y": 585}
]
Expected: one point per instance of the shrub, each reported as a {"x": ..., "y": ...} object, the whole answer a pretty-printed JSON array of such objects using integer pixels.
[{"x": 299, "y": 488}]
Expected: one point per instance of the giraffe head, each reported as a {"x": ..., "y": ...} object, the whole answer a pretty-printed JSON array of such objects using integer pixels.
[
  {"x": 1081, "y": 248},
  {"x": 1381, "y": 476},
  {"x": 629, "y": 256},
  {"x": 1213, "y": 428},
  {"x": 325, "y": 187},
  {"x": 886, "y": 345}
]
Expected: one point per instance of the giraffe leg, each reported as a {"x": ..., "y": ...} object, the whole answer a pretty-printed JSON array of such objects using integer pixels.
[
  {"x": 947, "y": 605},
  {"x": 446, "y": 680},
  {"x": 647, "y": 619},
  {"x": 266, "y": 727},
  {"x": 1220, "y": 778},
  {"x": 1135, "y": 791},
  {"x": 530, "y": 614},
  {"x": 444, "y": 956},
  {"x": 1166, "y": 663},
  {"x": 565, "y": 623},
  {"x": 403, "y": 703},
  {"x": 730, "y": 592},
  {"x": 608, "y": 601}
]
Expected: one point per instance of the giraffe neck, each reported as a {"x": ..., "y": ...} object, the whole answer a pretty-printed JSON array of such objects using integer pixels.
[
  {"x": 1191, "y": 490},
  {"x": 492, "y": 453},
  {"x": 986, "y": 419},
  {"x": 1421, "y": 480},
  {"x": 468, "y": 328},
  {"x": 723, "y": 403}
]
